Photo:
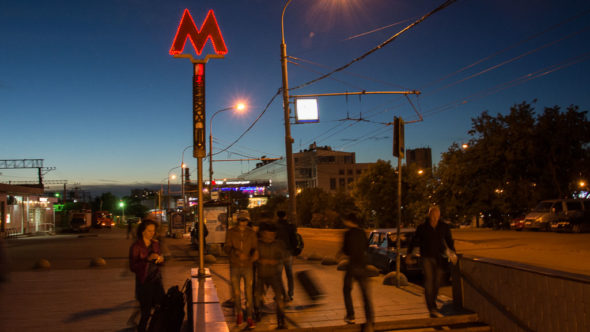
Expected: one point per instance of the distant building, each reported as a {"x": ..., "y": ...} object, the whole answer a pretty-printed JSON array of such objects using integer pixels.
[
  {"x": 25, "y": 210},
  {"x": 422, "y": 157},
  {"x": 316, "y": 167}
]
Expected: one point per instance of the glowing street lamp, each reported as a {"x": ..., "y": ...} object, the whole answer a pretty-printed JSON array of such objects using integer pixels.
[
  {"x": 240, "y": 106},
  {"x": 464, "y": 146},
  {"x": 122, "y": 206}
]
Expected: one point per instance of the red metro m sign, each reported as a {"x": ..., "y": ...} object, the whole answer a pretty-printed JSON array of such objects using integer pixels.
[{"x": 188, "y": 29}]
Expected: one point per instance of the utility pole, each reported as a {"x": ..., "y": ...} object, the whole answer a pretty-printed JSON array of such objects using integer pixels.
[{"x": 398, "y": 151}]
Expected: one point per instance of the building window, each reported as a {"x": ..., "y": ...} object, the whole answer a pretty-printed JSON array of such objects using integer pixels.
[
  {"x": 326, "y": 159},
  {"x": 350, "y": 180},
  {"x": 332, "y": 184},
  {"x": 348, "y": 159},
  {"x": 342, "y": 183},
  {"x": 341, "y": 172},
  {"x": 349, "y": 172}
]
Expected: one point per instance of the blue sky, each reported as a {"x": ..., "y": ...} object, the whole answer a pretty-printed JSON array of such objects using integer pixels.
[{"x": 89, "y": 86}]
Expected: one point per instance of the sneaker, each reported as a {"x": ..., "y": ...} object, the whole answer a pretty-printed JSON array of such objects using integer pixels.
[
  {"x": 435, "y": 314},
  {"x": 349, "y": 320},
  {"x": 239, "y": 319},
  {"x": 251, "y": 323}
]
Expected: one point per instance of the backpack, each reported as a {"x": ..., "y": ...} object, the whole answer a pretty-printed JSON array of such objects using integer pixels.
[
  {"x": 169, "y": 316},
  {"x": 299, "y": 245}
]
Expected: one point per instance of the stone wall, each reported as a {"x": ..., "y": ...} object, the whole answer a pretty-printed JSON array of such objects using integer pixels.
[{"x": 511, "y": 296}]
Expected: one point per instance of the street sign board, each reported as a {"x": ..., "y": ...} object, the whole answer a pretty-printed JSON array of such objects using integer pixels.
[
  {"x": 199, "y": 142},
  {"x": 188, "y": 29},
  {"x": 306, "y": 110}
]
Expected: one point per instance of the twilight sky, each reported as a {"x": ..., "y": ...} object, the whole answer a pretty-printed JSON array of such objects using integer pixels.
[{"x": 90, "y": 87}]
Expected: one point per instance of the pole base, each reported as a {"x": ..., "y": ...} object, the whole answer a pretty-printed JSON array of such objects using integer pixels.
[{"x": 200, "y": 273}]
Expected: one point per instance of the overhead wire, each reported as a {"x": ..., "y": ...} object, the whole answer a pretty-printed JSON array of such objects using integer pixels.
[
  {"x": 378, "y": 47},
  {"x": 511, "y": 83},
  {"x": 511, "y": 46},
  {"x": 389, "y": 40},
  {"x": 567, "y": 20},
  {"x": 251, "y": 125},
  {"x": 520, "y": 56},
  {"x": 350, "y": 73}
]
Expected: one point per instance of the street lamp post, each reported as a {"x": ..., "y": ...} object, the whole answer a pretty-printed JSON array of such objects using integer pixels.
[
  {"x": 287, "y": 113},
  {"x": 239, "y": 107}
]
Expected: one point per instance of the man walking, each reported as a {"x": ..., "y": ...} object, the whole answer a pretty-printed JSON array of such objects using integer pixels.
[
  {"x": 269, "y": 268},
  {"x": 287, "y": 234},
  {"x": 355, "y": 247},
  {"x": 241, "y": 246},
  {"x": 434, "y": 238}
]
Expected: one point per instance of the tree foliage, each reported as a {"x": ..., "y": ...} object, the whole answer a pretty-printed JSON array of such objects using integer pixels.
[
  {"x": 375, "y": 193},
  {"x": 513, "y": 161}
]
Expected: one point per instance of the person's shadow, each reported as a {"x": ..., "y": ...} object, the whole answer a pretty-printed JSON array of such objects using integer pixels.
[{"x": 82, "y": 315}]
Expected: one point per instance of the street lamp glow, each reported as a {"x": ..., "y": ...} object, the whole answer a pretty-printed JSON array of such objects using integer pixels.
[
  {"x": 173, "y": 176},
  {"x": 240, "y": 106},
  {"x": 582, "y": 184},
  {"x": 420, "y": 172},
  {"x": 464, "y": 146}
]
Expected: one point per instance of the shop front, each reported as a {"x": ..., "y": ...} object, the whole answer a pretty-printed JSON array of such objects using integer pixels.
[{"x": 24, "y": 210}]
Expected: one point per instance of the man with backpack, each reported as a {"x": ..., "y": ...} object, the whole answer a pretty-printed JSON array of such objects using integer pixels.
[{"x": 287, "y": 234}]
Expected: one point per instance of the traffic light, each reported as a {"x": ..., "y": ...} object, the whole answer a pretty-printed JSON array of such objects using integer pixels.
[{"x": 398, "y": 137}]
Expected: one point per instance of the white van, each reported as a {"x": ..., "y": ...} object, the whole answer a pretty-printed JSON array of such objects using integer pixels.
[{"x": 552, "y": 211}]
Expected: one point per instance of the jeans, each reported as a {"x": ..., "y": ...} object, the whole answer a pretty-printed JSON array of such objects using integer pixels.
[
  {"x": 236, "y": 275},
  {"x": 288, "y": 264},
  {"x": 149, "y": 294},
  {"x": 432, "y": 279},
  {"x": 359, "y": 274},
  {"x": 276, "y": 284}
]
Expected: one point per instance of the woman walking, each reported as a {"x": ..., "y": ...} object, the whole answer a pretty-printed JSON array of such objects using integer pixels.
[{"x": 144, "y": 260}]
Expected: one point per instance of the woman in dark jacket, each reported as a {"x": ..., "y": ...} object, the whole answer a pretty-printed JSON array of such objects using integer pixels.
[{"x": 144, "y": 260}]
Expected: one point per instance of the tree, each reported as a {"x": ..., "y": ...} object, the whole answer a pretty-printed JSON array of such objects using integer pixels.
[
  {"x": 417, "y": 190},
  {"x": 310, "y": 201},
  {"x": 513, "y": 161},
  {"x": 106, "y": 202},
  {"x": 375, "y": 193}
]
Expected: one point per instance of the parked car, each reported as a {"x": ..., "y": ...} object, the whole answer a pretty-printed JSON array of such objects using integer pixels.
[
  {"x": 517, "y": 223},
  {"x": 551, "y": 211},
  {"x": 382, "y": 250},
  {"x": 574, "y": 222}
]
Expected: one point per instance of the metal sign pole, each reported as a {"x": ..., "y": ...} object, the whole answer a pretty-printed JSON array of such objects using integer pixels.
[{"x": 199, "y": 152}]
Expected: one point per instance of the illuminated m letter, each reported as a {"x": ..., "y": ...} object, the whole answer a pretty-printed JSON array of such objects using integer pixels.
[{"x": 209, "y": 30}]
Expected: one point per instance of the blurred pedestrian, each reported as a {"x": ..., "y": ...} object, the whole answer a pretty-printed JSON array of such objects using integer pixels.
[
  {"x": 287, "y": 234},
  {"x": 3, "y": 262},
  {"x": 195, "y": 235},
  {"x": 435, "y": 241},
  {"x": 241, "y": 247},
  {"x": 145, "y": 259},
  {"x": 129, "y": 227},
  {"x": 355, "y": 246},
  {"x": 269, "y": 268}
]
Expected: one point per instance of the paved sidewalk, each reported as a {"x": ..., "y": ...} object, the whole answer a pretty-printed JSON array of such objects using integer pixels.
[
  {"x": 102, "y": 299},
  {"x": 91, "y": 299},
  {"x": 390, "y": 303}
]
